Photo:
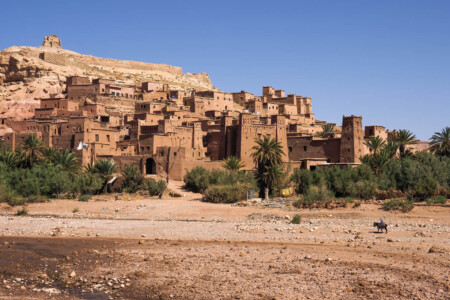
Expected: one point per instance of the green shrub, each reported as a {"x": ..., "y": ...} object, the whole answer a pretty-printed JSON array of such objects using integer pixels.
[
  {"x": 156, "y": 188},
  {"x": 87, "y": 183},
  {"x": 225, "y": 193},
  {"x": 397, "y": 204},
  {"x": 9, "y": 196},
  {"x": 303, "y": 179},
  {"x": 357, "y": 204},
  {"x": 349, "y": 200},
  {"x": 40, "y": 180},
  {"x": 197, "y": 180},
  {"x": 437, "y": 200},
  {"x": 22, "y": 212},
  {"x": 133, "y": 179},
  {"x": 85, "y": 198},
  {"x": 297, "y": 219},
  {"x": 315, "y": 197},
  {"x": 364, "y": 189}
]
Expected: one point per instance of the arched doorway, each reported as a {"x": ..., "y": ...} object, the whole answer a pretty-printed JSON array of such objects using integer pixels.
[{"x": 150, "y": 166}]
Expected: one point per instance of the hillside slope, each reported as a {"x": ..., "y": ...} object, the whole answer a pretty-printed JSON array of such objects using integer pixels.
[{"x": 28, "y": 74}]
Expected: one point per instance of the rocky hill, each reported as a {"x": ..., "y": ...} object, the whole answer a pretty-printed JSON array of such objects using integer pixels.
[{"x": 28, "y": 74}]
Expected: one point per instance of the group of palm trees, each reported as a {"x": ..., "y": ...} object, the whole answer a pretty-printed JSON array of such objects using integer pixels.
[
  {"x": 32, "y": 151},
  {"x": 267, "y": 154},
  {"x": 382, "y": 151}
]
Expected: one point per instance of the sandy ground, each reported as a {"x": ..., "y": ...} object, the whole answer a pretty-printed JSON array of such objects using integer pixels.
[{"x": 181, "y": 248}]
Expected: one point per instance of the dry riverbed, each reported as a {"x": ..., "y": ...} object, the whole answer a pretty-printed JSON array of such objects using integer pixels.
[{"x": 184, "y": 249}]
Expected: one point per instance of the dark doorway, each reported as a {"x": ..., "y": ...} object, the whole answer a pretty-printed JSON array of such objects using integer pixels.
[{"x": 150, "y": 166}]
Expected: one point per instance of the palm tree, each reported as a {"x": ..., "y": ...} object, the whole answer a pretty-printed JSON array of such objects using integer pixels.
[
  {"x": 266, "y": 154},
  {"x": 9, "y": 159},
  {"x": 374, "y": 143},
  {"x": 232, "y": 164},
  {"x": 133, "y": 179},
  {"x": 403, "y": 138},
  {"x": 31, "y": 150},
  {"x": 49, "y": 153},
  {"x": 440, "y": 142},
  {"x": 272, "y": 177},
  {"x": 380, "y": 160},
  {"x": 67, "y": 160},
  {"x": 391, "y": 147},
  {"x": 105, "y": 168},
  {"x": 327, "y": 128}
]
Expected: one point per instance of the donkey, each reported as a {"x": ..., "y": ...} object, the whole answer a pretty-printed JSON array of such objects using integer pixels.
[{"x": 380, "y": 226}]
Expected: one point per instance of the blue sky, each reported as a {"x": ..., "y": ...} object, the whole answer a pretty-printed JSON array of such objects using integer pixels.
[{"x": 388, "y": 61}]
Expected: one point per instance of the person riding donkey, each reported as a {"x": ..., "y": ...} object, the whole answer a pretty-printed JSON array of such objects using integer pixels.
[{"x": 380, "y": 225}]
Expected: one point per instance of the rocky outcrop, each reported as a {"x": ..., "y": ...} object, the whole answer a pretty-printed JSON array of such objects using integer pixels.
[{"x": 28, "y": 74}]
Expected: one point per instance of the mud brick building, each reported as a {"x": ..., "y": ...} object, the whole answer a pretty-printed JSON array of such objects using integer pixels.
[{"x": 166, "y": 131}]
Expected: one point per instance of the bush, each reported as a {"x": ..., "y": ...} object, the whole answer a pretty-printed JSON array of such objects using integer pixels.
[
  {"x": 349, "y": 200},
  {"x": 85, "y": 198},
  {"x": 437, "y": 200},
  {"x": 87, "y": 183},
  {"x": 315, "y": 197},
  {"x": 199, "y": 179},
  {"x": 357, "y": 204},
  {"x": 22, "y": 212},
  {"x": 297, "y": 219},
  {"x": 225, "y": 193},
  {"x": 9, "y": 196},
  {"x": 397, "y": 204},
  {"x": 156, "y": 188},
  {"x": 133, "y": 179},
  {"x": 303, "y": 179},
  {"x": 40, "y": 180}
]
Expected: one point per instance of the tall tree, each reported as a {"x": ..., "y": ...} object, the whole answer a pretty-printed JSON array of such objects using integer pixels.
[
  {"x": 67, "y": 160},
  {"x": 403, "y": 138},
  {"x": 31, "y": 150},
  {"x": 375, "y": 144},
  {"x": 232, "y": 164},
  {"x": 266, "y": 154},
  {"x": 440, "y": 142}
]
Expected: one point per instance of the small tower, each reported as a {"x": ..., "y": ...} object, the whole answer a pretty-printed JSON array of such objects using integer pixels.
[
  {"x": 352, "y": 139},
  {"x": 52, "y": 41}
]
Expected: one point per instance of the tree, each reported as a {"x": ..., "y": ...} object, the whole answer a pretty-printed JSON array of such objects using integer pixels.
[
  {"x": 31, "y": 150},
  {"x": 105, "y": 168},
  {"x": 67, "y": 160},
  {"x": 403, "y": 138},
  {"x": 49, "y": 154},
  {"x": 327, "y": 128},
  {"x": 272, "y": 176},
  {"x": 9, "y": 159},
  {"x": 232, "y": 164},
  {"x": 440, "y": 142},
  {"x": 374, "y": 143},
  {"x": 266, "y": 154},
  {"x": 133, "y": 179}
]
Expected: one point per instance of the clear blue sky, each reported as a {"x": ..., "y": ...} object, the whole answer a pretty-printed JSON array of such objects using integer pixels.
[{"x": 386, "y": 60}]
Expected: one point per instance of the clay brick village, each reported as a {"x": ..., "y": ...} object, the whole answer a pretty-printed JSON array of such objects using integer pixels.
[
  {"x": 134, "y": 180},
  {"x": 167, "y": 131}
]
